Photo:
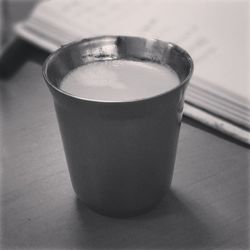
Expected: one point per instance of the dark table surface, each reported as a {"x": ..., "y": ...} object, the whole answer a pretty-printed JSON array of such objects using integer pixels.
[{"x": 206, "y": 209}]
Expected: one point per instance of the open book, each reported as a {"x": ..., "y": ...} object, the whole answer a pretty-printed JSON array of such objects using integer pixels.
[{"x": 215, "y": 33}]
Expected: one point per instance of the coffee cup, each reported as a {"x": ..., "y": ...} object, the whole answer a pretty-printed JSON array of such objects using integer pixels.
[{"x": 120, "y": 153}]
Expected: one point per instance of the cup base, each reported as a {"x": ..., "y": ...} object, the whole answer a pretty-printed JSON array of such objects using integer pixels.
[{"x": 122, "y": 214}]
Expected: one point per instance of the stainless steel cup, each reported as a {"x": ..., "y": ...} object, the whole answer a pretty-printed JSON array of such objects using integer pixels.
[{"x": 120, "y": 155}]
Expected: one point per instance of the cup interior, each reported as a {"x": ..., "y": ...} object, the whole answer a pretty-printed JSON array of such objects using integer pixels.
[{"x": 75, "y": 54}]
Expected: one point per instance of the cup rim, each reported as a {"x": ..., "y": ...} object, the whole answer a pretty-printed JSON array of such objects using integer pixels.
[{"x": 63, "y": 47}]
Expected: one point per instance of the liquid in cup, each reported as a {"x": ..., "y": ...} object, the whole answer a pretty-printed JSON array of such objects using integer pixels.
[
  {"x": 120, "y": 153},
  {"x": 119, "y": 80}
]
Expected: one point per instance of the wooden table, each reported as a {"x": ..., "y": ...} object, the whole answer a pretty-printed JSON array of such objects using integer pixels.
[{"x": 207, "y": 208}]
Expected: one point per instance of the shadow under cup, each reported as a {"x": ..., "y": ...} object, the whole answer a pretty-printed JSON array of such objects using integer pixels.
[{"x": 120, "y": 155}]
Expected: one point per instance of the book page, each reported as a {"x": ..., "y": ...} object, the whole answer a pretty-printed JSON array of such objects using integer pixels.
[{"x": 215, "y": 33}]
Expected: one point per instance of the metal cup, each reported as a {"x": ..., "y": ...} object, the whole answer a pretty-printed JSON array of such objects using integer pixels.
[{"x": 120, "y": 155}]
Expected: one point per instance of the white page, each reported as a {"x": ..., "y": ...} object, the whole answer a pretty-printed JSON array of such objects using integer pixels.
[{"x": 215, "y": 33}]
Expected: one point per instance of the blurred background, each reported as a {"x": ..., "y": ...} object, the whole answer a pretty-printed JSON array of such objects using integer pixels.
[{"x": 12, "y": 11}]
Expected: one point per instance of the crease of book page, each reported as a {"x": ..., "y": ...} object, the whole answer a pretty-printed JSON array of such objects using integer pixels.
[
  {"x": 217, "y": 110},
  {"x": 217, "y": 123},
  {"x": 231, "y": 106}
]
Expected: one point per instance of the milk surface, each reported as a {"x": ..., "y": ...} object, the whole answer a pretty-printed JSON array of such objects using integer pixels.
[{"x": 119, "y": 80}]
